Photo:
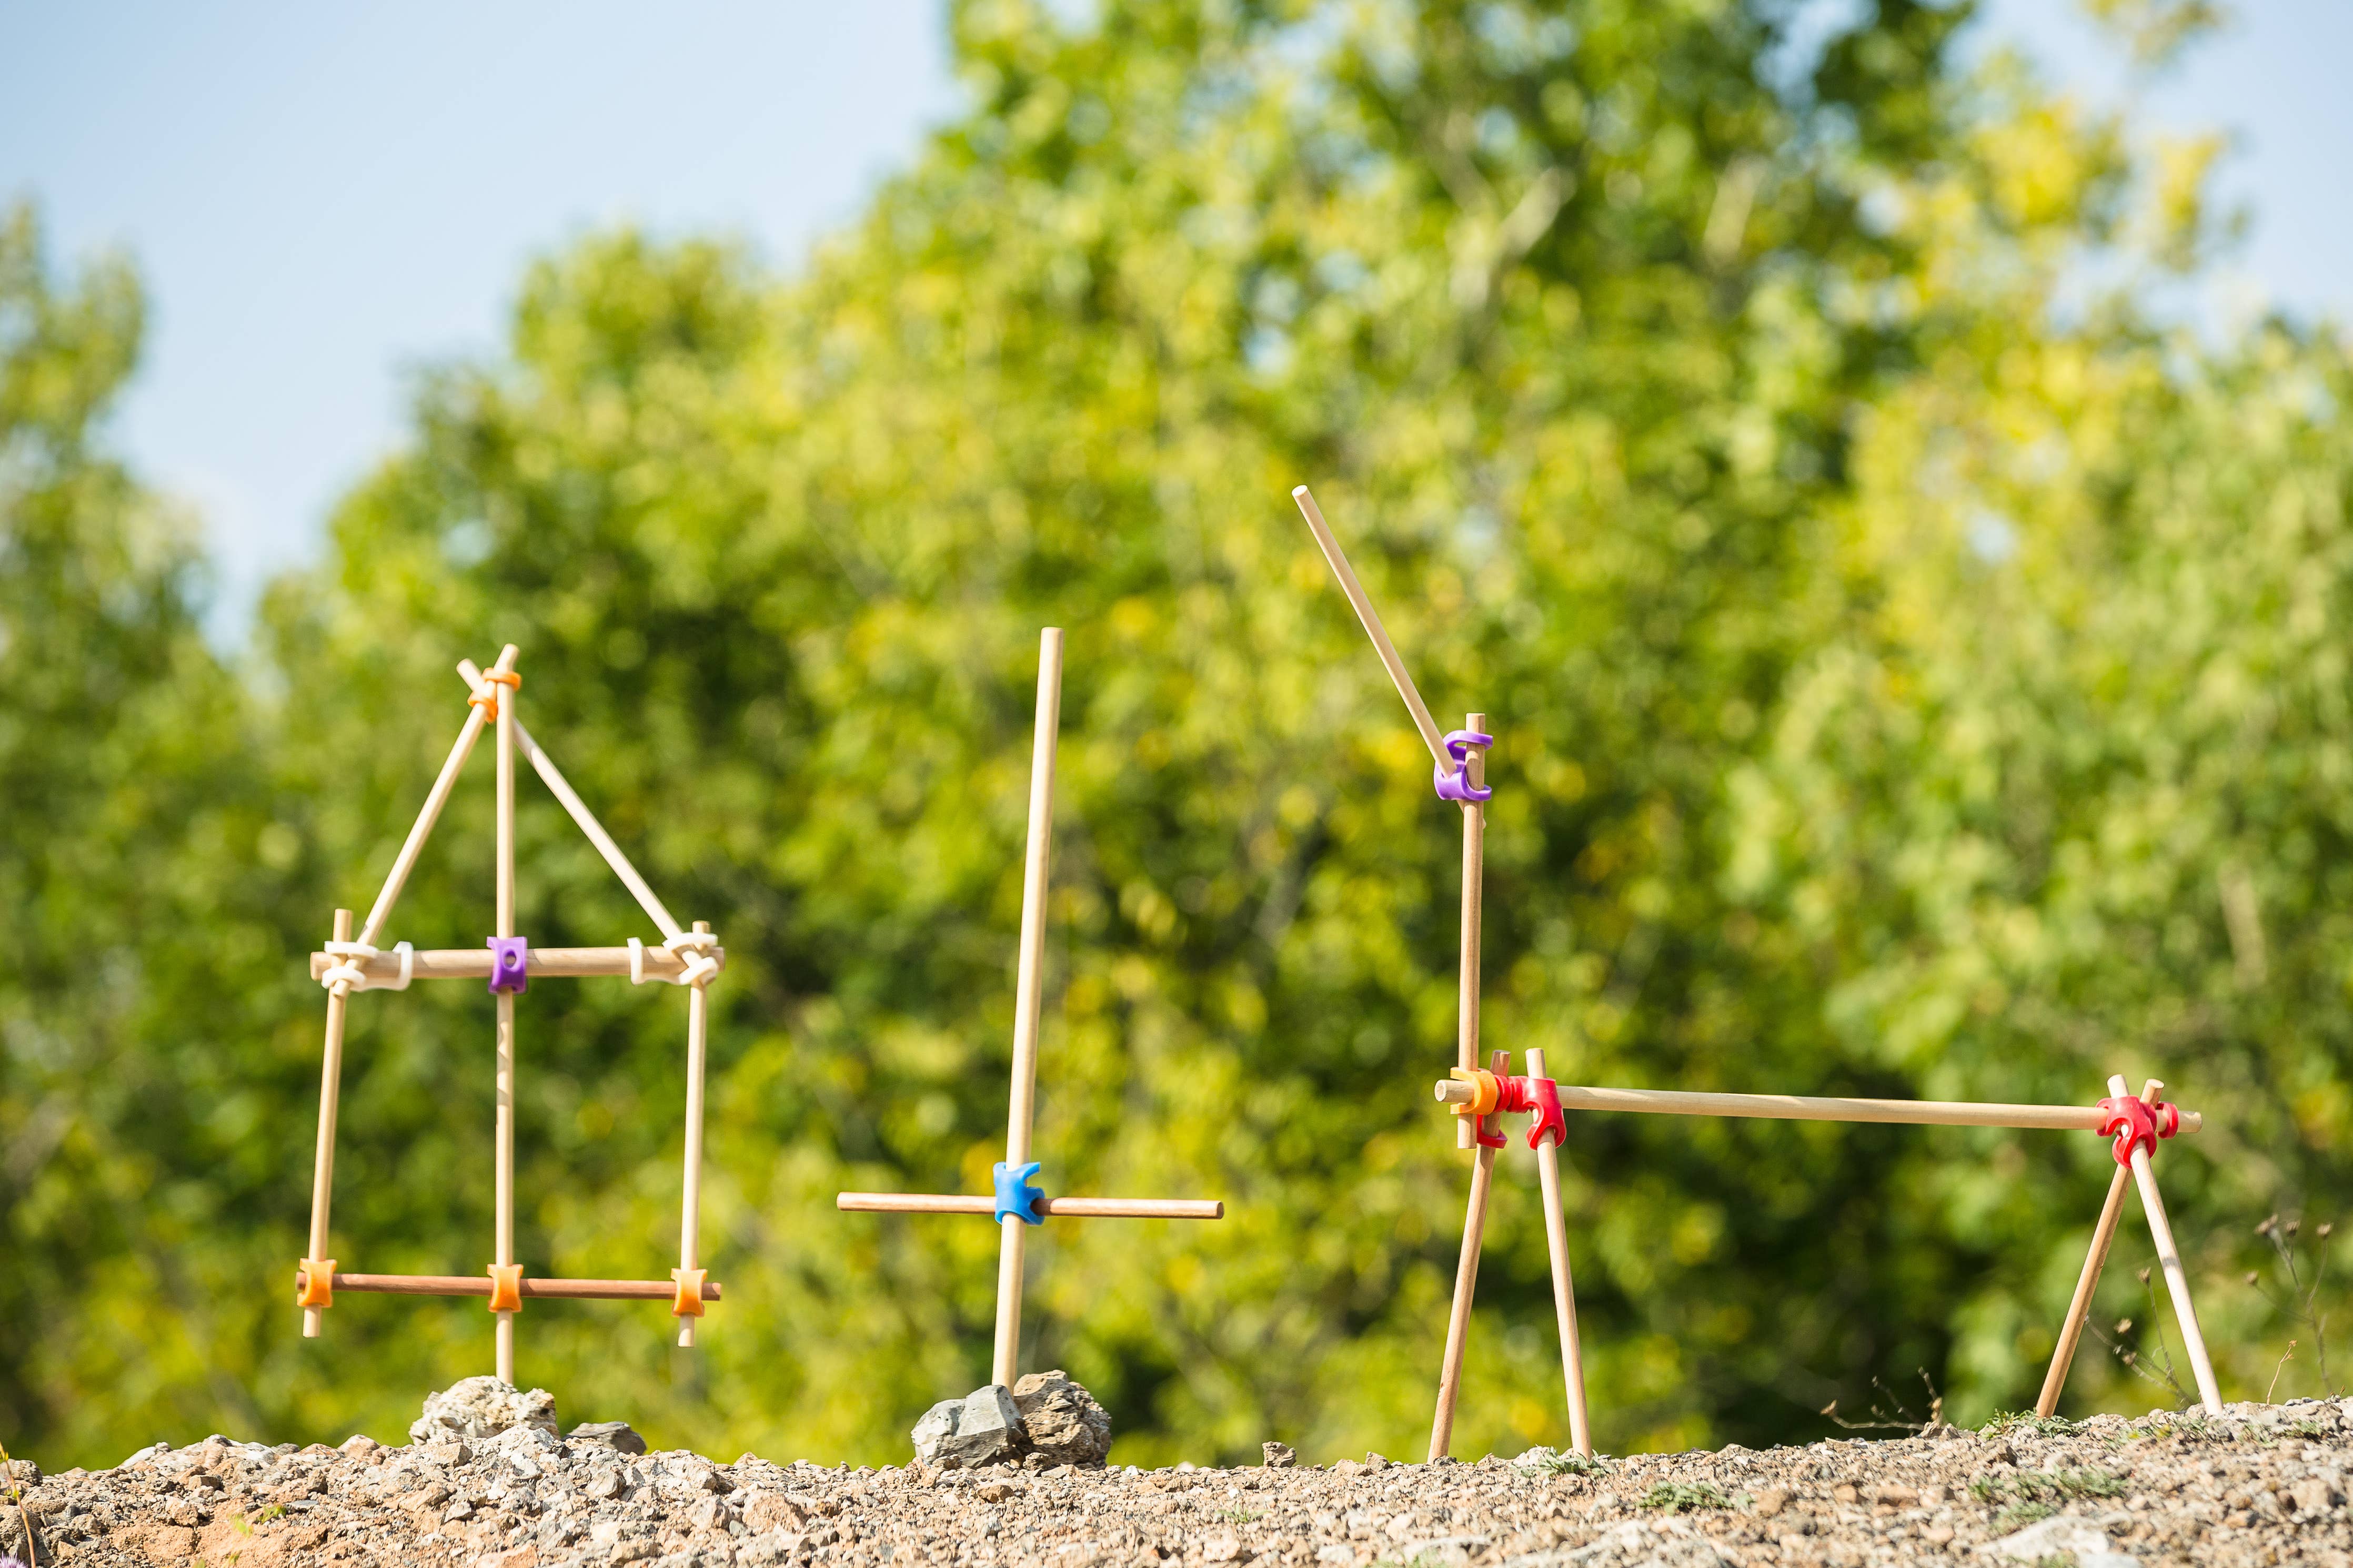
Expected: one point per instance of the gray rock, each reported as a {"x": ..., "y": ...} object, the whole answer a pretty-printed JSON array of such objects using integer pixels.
[
  {"x": 478, "y": 1407},
  {"x": 1060, "y": 1420},
  {"x": 982, "y": 1428},
  {"x": 2063, "y": 1536},
  {"x": 617, "y": 1436},
  {"x": 1278, "y": 1456}
]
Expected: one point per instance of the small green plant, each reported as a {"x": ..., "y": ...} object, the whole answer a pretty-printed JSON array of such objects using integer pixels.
[
  {"x": 2160, "y": 1371},
  {"x": 2005, "y": 1420},
  {"x": 1677, "y": 1496},
  {"x": 1890, "y": 1413},
  {"x": 2046, "y": 1486},
  {"x": 2019, "y": 1515},
  {"x": 1240, "y": 1515},
  {"x": 1549, "y": 1462},
  {"x": 2299, "y": 1303}
]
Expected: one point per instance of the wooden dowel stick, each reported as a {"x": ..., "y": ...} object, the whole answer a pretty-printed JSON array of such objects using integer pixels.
[
  {"x": 1371, "y": 620},
  {"x": 2079, "y": 1309},
  {"x": 479, "y": 1285},
  {"x": 690, "y": 1219},
  {"x": 435, "y": 799},
  {"x": 540, "y": 962},
  {"x": 1806, "y": 1108},
  {"x": 1005, "y": 1364},
  {"x": 1474, "y": 877},
  {"x": 1458, "y": 1321},
  {"x": 1564, "y": 1288},
  {"x": 323, "y": 1160},
  {"x": 1053, "y": 1208},
  {"x": 2177, "y": 1281},
  {"x": 506, "y": 1044},
  {"x": 577, "y": 809}
]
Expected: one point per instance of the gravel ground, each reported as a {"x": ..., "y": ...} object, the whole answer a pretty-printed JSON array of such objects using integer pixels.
[{"x": 2266, "y": 1485}]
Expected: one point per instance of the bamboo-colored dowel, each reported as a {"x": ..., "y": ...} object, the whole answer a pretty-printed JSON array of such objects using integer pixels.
[
  {"x": 506, "y": 1044},
  {"x": 1564, "y": 1288},
  {"x": 1005, "y": 1364},
  {"x": 1466, "y": 1283},
  {"x": 1806, "y": 1108},
  {"x": 2177, "y": 1281},
  {"x": 577, "y": 809},
  {"x": 1475, "y": 878},
  {"x": 2079, "y": 1309},
  {"x": 690, "y": 1220},
  {"x": 323, "y": 1160},
  {"x": 1055, "y": 1208},
  {"x": 1371, "y": 620},
  {"x": 540, "y": 962},
  {"x": 479, "y": 1285},
  {"x": 435, "y": 799}
]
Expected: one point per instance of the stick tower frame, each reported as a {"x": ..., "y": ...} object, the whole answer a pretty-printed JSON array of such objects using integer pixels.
[
  {"x": 691, "y": 957},
  {"x": 1016, "y": 1204}
]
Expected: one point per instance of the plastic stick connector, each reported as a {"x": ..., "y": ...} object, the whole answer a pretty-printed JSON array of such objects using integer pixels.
[
  {"x": 2136, "y": 1123},
  {"x": 506, "y": 1287},
  {"x": 509, "y": 964},
  {"x": 1457, "y": 784},
  {"x": 687, "y": 1300},
  {"x": 1544, "y": 1095},
  {"x": 314, "y": 1282},
  {"x": 1015, "y": 1195}
]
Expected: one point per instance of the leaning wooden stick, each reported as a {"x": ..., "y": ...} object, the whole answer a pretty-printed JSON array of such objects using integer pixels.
[
  {"x": 577, "y": 809},
  {"x": 506, "y": 1025},
  {"x": 435, "y": 799},
  {"x": 1563, "y": 1288},
  {"x": 2079, "y": 1309},
  {"x": 1466, "y": 1283},
  {"x": 322, "y": 1160},
  {"x": 1028, "y": 996},
  {"x": 1371, "y": 620},
  {"x": 2177, "y": 1281}
]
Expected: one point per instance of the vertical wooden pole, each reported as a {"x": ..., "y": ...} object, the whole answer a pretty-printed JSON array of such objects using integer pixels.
[
  {"x": 690, "y": 1220},
  {"x": 506, "y": 1044},
  {"x": 1474, "y": 877},
  {"x": 1004, "y": 1365},
  {"x": 1563, "y": 1288},
  {"x": 2079, "y": 1309},
  {"x": 2177, "y": 1281},
  {"x": 322, "y": 1162},
  {"x": 1466, "y": 1282}
]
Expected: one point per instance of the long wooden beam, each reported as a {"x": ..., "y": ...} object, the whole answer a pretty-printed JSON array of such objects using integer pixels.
[
  {"x": 479, "y": 1285},
  {"x": 1067, "y": 1208},
  {"x": 1816, "y": 1108},
  {"x": 559, "y": 962}
]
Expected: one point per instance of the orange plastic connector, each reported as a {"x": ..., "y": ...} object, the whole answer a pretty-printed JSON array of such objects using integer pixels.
[
  {"x": 488, "y": 700},
  {"x": 687, "y": 1303},
  {"x": 506, "y": 1287},
  {"x": 314, "y": 1282},
  {"x": 1489, "y": 1087}
]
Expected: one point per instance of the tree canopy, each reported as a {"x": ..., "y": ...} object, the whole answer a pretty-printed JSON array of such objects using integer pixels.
[{"x": 1915, "y": 673}]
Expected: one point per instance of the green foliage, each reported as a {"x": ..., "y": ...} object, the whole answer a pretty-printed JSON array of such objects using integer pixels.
[
  {"x": 1676, "y": 1497},
  {"x": 1902, "y": 689},
  {"x": 2047, "y": 1486}
]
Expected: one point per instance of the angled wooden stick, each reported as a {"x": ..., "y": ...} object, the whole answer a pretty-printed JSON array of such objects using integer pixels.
[
  {"x": 1466, "y": 1282},
  {"x": 577, "y": 809},
  {"x": 2177, "y": 1281},
  {"x": 506, "y": 1029},
  {"x": 2079, "y": 1309},
  {"x": 322, "y": 1160},
  {"x": 435, "y": 799},
  {"x": 1005, "y": 1364},
  {"x": 1371, "y": 619},
  {"x": 1563, "y": 1288}
]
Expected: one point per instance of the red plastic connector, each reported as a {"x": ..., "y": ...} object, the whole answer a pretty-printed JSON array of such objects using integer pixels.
[{"x": 2134, "y": 1122}]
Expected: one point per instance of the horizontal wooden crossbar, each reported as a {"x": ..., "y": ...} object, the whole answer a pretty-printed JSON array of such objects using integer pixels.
[
  {"x": 1816, "y": 1108},
  {"x": 479, "y": 1285},
  {"x": 1066, "y": 1209},
  {"x": 558, "y": 962}
]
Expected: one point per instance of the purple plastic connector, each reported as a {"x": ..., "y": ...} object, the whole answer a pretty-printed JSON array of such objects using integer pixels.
[
  {"x": 1457, "y": 785},
  {"x": 509, "y": 964}
]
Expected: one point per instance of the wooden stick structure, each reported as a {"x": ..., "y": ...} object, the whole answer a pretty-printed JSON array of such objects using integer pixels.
[
  {"x": 682, "y": 957},
  {"x": 1466, "y": 1283},
  {"x": 2079, "y": 1309},
  {"x": 1016, "y": 1204},
  {"x": 1563, "y": 1289}
]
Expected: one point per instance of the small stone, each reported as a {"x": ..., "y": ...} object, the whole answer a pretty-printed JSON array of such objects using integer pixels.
[
  {"x": 765, "y": 1511},
  {"x": 478, "y": 1407},
  {"x": 1221, "y": 1549},
  {"x": 360, "y": 1445},
  {"x": 2062, "y": 1536},
  {"x": 1770, "y": 1501},
  {"x": 1278, "y": 1456},
  {"x": 617, "y": 1436},
  {"x": 987, "y": 1430},
  {"x": 1062, "y": 1420}
]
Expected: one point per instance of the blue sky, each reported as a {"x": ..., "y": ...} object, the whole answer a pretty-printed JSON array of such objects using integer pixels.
[{"x": 323, "y": 198}]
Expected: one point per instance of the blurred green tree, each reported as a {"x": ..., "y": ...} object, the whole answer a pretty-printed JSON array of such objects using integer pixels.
[{"x": 1704, "y": 406}]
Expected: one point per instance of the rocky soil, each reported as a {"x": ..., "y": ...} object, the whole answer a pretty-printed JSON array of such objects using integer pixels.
[{"x": 2266, "y": 1485}]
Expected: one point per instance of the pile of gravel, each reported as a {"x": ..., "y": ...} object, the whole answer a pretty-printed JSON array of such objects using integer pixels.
[{"x": 2266, "y": 1485}]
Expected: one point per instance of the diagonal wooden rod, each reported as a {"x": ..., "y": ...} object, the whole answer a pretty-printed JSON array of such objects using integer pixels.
[
  {"x": 2177, "y": 1281},
  {"x": 1371, "y": 618},
  {"x": 1564, "y": 1287},
  {"x": 2079, "y": 1309},
  {"x": 1466, "y": 1284},
  {"x": 435, "y": 799},
  {"x": 1005, "y": 1364},
  {"x": 577, "y": 809}
]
